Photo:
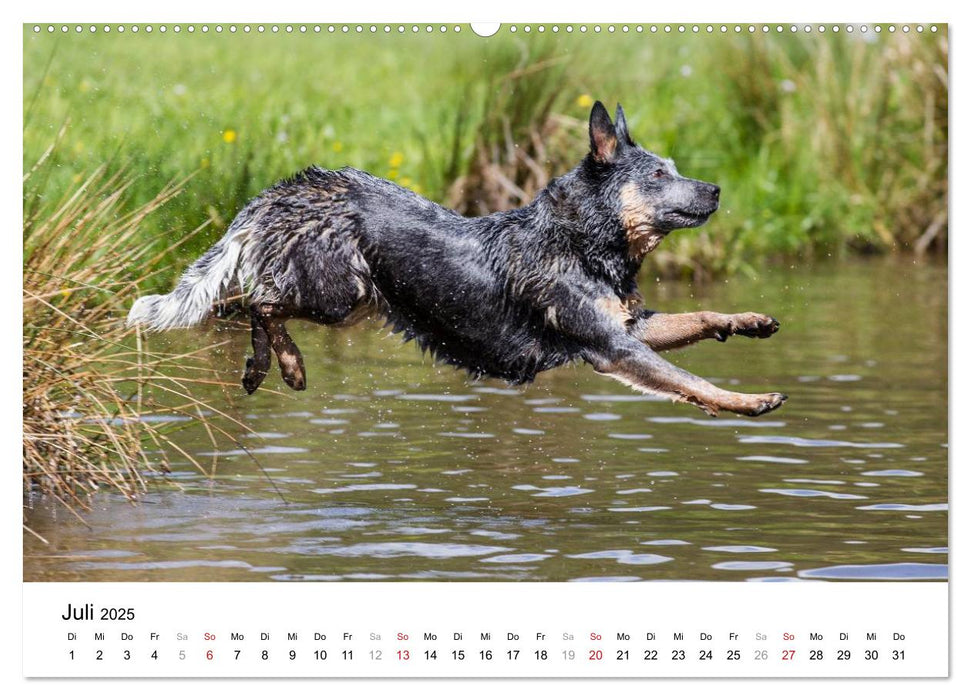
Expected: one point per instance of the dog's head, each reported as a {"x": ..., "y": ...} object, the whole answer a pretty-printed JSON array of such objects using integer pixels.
[{"x": 648, "y": 196}]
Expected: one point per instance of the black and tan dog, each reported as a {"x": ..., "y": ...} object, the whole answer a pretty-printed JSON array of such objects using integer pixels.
[{"x": 506, "y": 295}]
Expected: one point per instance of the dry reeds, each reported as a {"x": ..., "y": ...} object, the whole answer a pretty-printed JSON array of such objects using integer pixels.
[
  {"x": 84, "y": 374},
  {"x": 520, "y": 139}
]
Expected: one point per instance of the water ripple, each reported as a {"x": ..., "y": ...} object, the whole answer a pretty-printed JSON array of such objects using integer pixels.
[
  {"x": 623, "y": 556},
  {"x": 367, "y": 487},
  {"x": 448, "y": 398},
  {"x": 753, "y": 565},
  {"x": 665, "y": 543},
  {"x": 813, "y": 493},
  {"x": 492, "y": 534},
  {"x": 474, "y": 436},
  {"x": 552, "y": 491},
  {"x": 825, "y": 482},
  {"x": 266, "y": 450},
  {"x": 605, "y": 579},
  {"x": 905, "y": 506},
  {"x": 602, "y": 416},
  {"x": 189, "y": 564},
  {"x": 774, "y": 460},
  {"x": 807, "y": 442},
  {"x": 893, "y": 472},
  {"x": 879, "y": 572},
  {"x": 496, "y": 390},
  {"x": 329, "y": 421},
  {"x": 637, "y": 509},
  {"x": 620, "y": 398},
  {"x": 426, "y": 550},
  {"x": 719, "y": 422},
  {"x": 562, "y": 491},
  {"x": 523, "y": 558}
]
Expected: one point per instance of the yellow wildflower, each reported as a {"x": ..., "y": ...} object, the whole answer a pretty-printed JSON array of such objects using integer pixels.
[
  {"x": 397, "y": 158},
  {"x": 229, "y": 136},
  {"x": 337, "y": 146},
  {"x": 584, "y": 100},
  {"x": 392, "y": 174}
]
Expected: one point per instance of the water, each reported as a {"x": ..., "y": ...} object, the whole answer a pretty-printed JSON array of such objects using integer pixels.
[{"x": 392, "y": 468}]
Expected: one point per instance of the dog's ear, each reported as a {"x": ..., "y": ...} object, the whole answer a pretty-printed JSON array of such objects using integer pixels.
[
  {"x": 603, "y": 135},
  {"x": 620, "y": 125}
]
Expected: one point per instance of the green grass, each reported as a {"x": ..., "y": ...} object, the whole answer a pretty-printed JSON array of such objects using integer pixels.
[{"x": 824, "y": 145}]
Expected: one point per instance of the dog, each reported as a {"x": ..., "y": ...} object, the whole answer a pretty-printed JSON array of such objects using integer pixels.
[{"x": 507, "y": 295}]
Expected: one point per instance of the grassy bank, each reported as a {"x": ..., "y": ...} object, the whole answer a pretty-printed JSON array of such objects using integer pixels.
[
  {"x": 824, "y": 144},
  {"x": 99, "y": 409}
]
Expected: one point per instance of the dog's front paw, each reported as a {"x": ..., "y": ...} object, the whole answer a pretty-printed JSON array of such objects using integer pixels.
[
  {"x": 753, "y": 325},
  {"x": 758, "y": 404},
  {"x": 750, "y": 404}
]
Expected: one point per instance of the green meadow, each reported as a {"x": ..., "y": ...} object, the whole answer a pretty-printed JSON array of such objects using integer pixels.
[{"x": 824, "y": 144}]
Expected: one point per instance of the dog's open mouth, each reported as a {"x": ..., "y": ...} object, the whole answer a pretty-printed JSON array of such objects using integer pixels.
[{"x": 691, "y": 218}]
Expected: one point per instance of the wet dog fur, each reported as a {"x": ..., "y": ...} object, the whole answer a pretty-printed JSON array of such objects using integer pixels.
[{"x": 507, "y": 295}]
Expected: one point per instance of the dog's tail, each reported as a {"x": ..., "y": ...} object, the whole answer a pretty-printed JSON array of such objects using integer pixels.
[{"x": 208, "y": 280}]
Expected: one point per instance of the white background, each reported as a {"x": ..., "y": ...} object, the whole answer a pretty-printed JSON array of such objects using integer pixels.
[{"x": 774, "y": 618}]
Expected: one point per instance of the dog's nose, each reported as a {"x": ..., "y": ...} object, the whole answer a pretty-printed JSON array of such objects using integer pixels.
[{"x": 715, "y": 190}]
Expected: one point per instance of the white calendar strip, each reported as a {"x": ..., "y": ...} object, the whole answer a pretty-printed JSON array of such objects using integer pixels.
[{"x": 668, "y": 629}]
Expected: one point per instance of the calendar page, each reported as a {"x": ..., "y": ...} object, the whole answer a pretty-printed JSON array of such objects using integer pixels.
[{"x": 428, "y": 349}]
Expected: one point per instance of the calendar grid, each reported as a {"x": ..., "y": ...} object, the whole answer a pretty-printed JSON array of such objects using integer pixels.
[{"x": 474, "y": 630}]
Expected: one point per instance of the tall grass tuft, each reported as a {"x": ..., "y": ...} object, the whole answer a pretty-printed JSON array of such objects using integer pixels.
[
  {"x": 519, "y": 139},
  {"x": 85, "y": 375}
]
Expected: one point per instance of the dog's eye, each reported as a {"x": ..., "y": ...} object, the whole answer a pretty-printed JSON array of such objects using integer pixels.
[{"x": 659, "y": 173}]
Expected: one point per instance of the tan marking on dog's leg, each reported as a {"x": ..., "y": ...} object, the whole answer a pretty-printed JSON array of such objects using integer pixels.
[
  {"x": 670, "y": 331},
  {"x": 287, "y": 354},
  {"x": 633, "y": 301},
  {"x": 663, "y": 379},
  {"x": 615, "y": 309}
]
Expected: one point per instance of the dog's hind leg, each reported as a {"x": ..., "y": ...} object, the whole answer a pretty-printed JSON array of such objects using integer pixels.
[
  {"x": 662, "y": 331},
  {"x": 258, "y": 365},
  {"x": 269, "y": 332},
  {"x": 287, "y": 353}
]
